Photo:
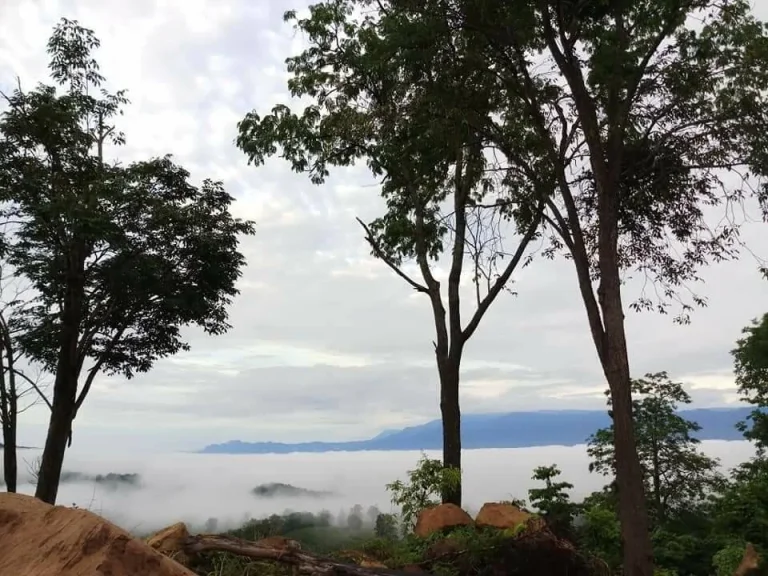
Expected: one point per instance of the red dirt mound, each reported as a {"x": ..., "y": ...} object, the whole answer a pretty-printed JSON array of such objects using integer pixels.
[{"x": 37, "y": 539}]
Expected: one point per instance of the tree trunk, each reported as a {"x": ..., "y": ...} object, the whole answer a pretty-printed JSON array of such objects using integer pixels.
[
  {"x": 59, "y": 427},
  {"x": 657, "y": 499},
  {"x": 65, "y": 385},
  {"x": 10, "y": 463},
  {"x": 451, "y": 417},
  {"x": 633, "y": 514},
  {"x": 8, "y": 414}
]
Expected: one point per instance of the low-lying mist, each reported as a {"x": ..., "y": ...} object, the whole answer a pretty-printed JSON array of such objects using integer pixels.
[{"x": 195, "y": 488}]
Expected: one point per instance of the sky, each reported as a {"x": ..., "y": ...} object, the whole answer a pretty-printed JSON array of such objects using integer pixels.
[{"x": 327, "y": 344}]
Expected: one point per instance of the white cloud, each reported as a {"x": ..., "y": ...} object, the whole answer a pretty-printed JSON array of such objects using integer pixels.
[{"x": 326, "y": 341}]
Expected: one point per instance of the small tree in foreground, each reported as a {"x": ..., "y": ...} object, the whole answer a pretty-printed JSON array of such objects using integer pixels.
[
  {"x": 385, "y": 526},
  {"x": 18, "y": 390},
  {"x": 425, "y": 484},
  {"x": 121, "y": 256},
  {"x": 553, "y": 500}
]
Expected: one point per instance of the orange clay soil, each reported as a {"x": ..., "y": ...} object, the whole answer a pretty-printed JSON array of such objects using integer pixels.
[{"x": 37, "y": 539}]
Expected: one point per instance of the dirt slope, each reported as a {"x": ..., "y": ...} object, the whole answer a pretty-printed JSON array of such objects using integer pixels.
[{"x": 37, "y": 539}]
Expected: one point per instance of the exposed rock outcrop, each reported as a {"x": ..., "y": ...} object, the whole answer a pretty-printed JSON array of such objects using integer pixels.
[
  {"x": 439, "y": 518},
  {"x": 170, "y": 542},
  {"x": 37, "y": 539},
  {"x": 502, "y": 515}
]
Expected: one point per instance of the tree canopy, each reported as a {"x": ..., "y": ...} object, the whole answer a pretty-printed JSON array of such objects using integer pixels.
[
  {"x": 751, "y": 369},
  {"x": 446, "y": 194},
  {"x": 677, "y": 473},
  {"x": 613, "y": 123},
  {"x": 120, "y": 257}
]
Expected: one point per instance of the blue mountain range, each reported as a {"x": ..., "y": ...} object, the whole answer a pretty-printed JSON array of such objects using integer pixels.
[{"x": 504, "y": 430}]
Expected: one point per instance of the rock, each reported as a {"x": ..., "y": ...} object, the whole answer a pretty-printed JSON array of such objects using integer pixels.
[
  {"x": 440, "y": 517},
  {"x": 37, "y": 539},
  {"x": 170, "y": 542},
  {"x": 413, "y": 569},
  {"x": 501, "y": 515}
]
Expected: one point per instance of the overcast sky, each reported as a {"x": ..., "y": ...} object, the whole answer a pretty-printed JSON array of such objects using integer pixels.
[{"x": 327, "y": 344}]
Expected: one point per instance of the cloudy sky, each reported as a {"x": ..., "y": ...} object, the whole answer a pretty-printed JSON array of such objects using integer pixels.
[{"x": 327, "y": 343}]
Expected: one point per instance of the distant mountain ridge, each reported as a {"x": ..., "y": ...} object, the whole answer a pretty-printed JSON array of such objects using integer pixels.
[{"x": 501, "y": 430}]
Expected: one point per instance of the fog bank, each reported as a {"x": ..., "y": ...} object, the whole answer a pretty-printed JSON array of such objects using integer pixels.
[{"x": 195, "y": 487}]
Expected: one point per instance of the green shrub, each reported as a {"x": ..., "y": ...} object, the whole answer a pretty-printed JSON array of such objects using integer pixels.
[
  {"x": 728, "y": 559},
  {"x": 426, "y": 483}
]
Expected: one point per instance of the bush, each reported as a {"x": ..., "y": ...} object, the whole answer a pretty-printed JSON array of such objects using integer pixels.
[
  {"x": 386, "y": 527},
  {"x": 426, "y": 483},
  {"x": 728, "y": 559}
]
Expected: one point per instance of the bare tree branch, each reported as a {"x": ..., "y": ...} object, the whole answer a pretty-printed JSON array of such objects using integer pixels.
[
  {"x": 34, "y": 385},
  {"x": 388, "y": 261},
  {"x": 501, "y": 281}
]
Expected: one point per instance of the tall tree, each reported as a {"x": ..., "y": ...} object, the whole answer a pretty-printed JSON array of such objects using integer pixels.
[
  {"x": 121, "y": 257},
  {"x": 631, "y": 111},
  {"x": 751, "y": 369},
  {"x": 18, "y": 390},
  {"x": 678, "y": 476},
  {"x": 442, "y": 185}
]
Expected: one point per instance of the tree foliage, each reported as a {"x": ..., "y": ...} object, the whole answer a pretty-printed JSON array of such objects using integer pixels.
[
  {"x": 385, "y": 526},
  {"x": 553, "y": 499},
  {"x": 157, "y": 252},
  {"x": 622, "y": 118},
  {"x": 121, "y": 257},
  {"x": 425, "y": 483},
  {"x": 678, "y": 474},
  {"x": 741, "y": 508},
  {"x": 379, "y": 100},
  {"x": 751, "y": 369}
]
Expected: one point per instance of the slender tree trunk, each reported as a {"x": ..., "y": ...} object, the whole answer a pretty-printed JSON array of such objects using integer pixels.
[
  {"x": 633, "y": 514},
  {"x": 59, "y": 428},
  {"x": 451, "y": 416},
  {"x": 10, "y": 455},
  {"x": 657, "y": 500},
  {"x": 638, "y": 553},
  {"x": 606, "y": 321},
  {"x": 10, "y": 462},
  {"x": 8, "y": 415},
  {"x": 9, "y": 402},
  {"x": 65, "y": 384}
]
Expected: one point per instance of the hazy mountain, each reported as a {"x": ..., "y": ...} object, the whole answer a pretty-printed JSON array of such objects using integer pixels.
[{"x": 506, "y": 430}]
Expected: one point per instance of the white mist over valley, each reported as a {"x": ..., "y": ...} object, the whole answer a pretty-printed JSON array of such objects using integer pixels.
[{"x": 196, "y": 487}]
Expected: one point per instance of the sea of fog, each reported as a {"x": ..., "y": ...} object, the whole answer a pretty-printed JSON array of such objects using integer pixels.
[{"x": 195, "y": 487}]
